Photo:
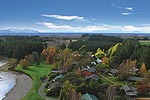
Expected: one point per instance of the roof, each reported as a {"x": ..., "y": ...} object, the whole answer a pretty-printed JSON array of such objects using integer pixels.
[
  {"x": 57, "y": 71},
  {"x": 93, "y": 63},
  {"x": 125, "y": 88},
  {"x": 90, "y": 69},
  {"x": 129, "y": 90},
  {"x": 114, "y": 71},
  {"x": 99, "y": 60},
  {"x": 134, "y": 69},
  {"x": 88, "y": 97},
  {"x": 95, "y": 77},
  {"x": 58, "y": 77},
  {"x": 131, "y": 94},
  {"x": 134, "y": 78}
]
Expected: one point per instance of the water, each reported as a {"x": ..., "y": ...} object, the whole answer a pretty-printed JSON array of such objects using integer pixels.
[{"x": 7, "y": 81}]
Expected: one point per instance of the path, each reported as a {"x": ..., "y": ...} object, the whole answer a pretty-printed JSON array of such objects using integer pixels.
[
  {"x": 42, "y": 94},
  {"x": 109, "y": 80}
]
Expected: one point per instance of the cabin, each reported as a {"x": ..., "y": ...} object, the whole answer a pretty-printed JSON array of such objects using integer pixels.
[
  {"x": 129, "y": 90},
  {"x": 88, "y": 97},
  {"x": 57, "y": 78},
  {"x": 56, "y": 71},
  {"x": 133, "y": 70},
  {"x": 94, "y": 76},
  {"x": 88, "y": 71},
  {"x": 113, "y": 72}
]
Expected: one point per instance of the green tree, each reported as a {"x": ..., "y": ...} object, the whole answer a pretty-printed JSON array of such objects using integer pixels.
[
  {"x": 83, "y": 50},
  {"x": 36, "y": 57}
]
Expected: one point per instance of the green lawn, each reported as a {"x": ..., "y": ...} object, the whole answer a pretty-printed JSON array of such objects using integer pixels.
[
  {"x": 35, "y": 72},
  {"x": 145, "y": 42}
]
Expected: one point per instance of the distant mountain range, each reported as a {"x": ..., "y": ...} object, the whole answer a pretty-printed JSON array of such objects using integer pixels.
[
  {"x": 13, "y": 30},
  {"x": 29, "y": 32},
  {"x": 21, "y": 32}
]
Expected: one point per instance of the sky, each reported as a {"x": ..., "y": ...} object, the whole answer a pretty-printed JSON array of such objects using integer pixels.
[{"x": 104, "y": 16}]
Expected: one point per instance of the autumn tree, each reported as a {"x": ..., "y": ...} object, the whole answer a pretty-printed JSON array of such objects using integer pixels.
[
  {"x": 67, "y": 64},
  {"x": 12, "y": 62},
  {"x": 143, "y": 70},
  {"x": 78, "y": 72},
  {"x": 51, "y": 55},
  {"x": 126, "y": 68},
  {"x": 44, "y": 54},
  {"x": 104, "y": 60},
  {"x": 29, "y": 58},
  {"x": 24, "y": 63},
  {"x": 100, "y": 53},
  {"x": 68, "y": 92}
]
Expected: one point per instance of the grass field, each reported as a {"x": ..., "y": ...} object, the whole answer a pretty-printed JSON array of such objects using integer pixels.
[
  {"x": 145, "y": 42},
  {"x": 35, "y": 72}
]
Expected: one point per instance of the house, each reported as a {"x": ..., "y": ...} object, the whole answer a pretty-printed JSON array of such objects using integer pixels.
[
  {"x": 133, "y": 70},
  {"x": 88, "y": 97},
  {"x": 94, "y": 76},
  {"x": 129, "y": 90},
  {"x": 134, "y": 79},
  {"x": 93, "y": 63},
  {"x": 98, "y": 60},
  {"x": 113, "y": 72},
  {"x": 88, "y": 71},
  {"x": 57, "y": 78}
]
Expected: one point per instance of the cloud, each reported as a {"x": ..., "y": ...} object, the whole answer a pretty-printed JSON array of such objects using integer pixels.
[
  {"x": 129, "y": 8},
  {"x": 125, "y": 14},
  {"x": 65, "y": 17},
  {"x": 117, "y": 6},
  {"x": 97, "y": 28},
  {"x": 124, "y": 8}
]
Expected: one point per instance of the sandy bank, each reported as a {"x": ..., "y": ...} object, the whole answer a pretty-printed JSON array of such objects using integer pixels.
[{"x": 22, "y": 87}]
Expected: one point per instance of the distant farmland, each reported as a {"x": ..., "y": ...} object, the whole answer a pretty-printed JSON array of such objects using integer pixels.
[{"x": 145, "y": 42}]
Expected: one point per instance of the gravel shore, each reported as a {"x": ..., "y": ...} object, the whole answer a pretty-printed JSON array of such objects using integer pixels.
[{"x": 22, "y": 87}]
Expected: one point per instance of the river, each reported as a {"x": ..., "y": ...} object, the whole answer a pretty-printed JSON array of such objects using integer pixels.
[{"x": 7, "y": 81}]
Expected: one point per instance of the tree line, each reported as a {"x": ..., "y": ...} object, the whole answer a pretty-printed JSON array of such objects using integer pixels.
[
  {"x": 95, "y": 41},
  {"x": 19, "y": 46}
]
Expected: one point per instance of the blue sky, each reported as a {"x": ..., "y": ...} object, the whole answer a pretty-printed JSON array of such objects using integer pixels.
[{"x": 76, "y": 15}]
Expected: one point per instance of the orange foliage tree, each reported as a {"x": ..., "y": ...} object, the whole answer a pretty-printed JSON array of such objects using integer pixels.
[
  {"x": 143, "y": 70},
  {"x": 51, "y": 55},
  {"x": 24, "y": 63}
]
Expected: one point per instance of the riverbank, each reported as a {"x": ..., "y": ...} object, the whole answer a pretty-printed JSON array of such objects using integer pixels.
[{"x": 22, "y": 87}]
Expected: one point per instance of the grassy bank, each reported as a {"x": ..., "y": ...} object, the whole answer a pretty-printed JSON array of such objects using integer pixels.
[{"x": 35, "y": 72}]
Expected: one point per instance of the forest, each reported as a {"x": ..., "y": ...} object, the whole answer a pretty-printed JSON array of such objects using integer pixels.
[{"x": 19, "y": 46}]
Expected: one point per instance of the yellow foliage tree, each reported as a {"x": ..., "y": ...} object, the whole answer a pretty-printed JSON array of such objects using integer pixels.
[
  {"x": 67, "y": 64},
  {"x": 100, "y": 53},
  {"x": 143, "y": 70},
  {"x": 78, "y": 72}
]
